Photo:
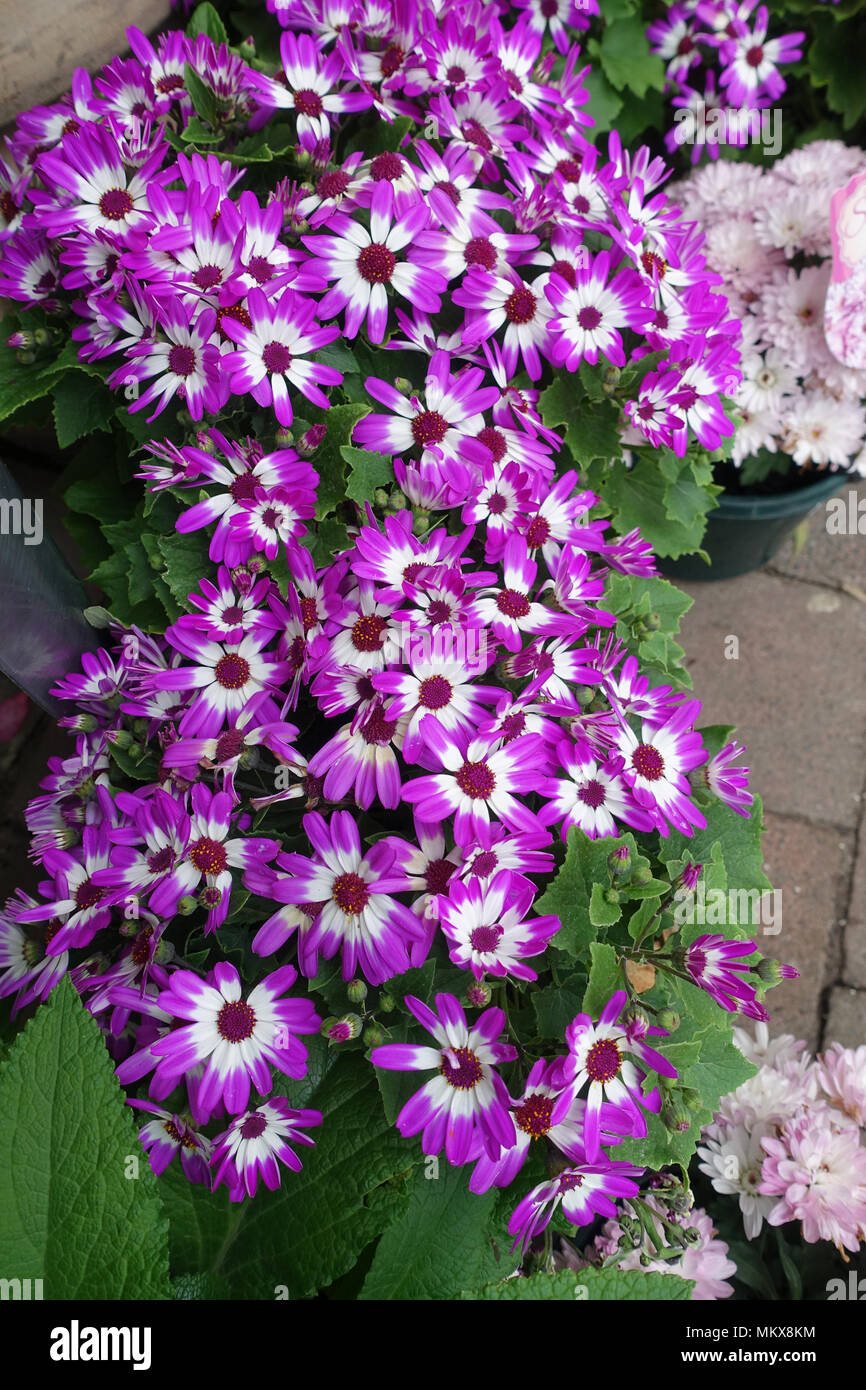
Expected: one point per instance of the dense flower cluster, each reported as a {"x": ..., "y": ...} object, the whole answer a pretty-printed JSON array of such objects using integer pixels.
[
  {"x": 705, "y": 1260},
  {"x": 416, "y": 715},
  {"x": 768, "y": 235},
  {"x": 788, "y": 1143},
  {"x": 721, "y": 70},
  {"x": 540, "y": 249}
]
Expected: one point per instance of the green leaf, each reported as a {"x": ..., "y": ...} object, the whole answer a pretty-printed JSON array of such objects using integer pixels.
[
  {"x": 588, "y": 1285},
  {"x": 626, "y": 59},
  {"x": 195, "y": 132},
  {"x": 328, "y": 540},
  {"x": 186, "y": 560},
  {"x": 82, "y": 405},
  {"x": 313, "y": 1229},
  {"x": 601, "y": 912},
  {"x": 94, "y": 498},
  {"x": 72, "y": 1211},
  {"x": 367, "y": 471},
  {"x": 201, "y": 95},
  {"x": 740, "y": 840},
  {"x": 605, "y": 978},
  {"x": 202, "y": 1224},
  {"x": 604, "y": 103},
  {"x": 541, "y": 1288},
  {"x": 835, "y": 62},
  {"x": 556, "y": 1006},
  {"x": 440, "y": 1244},
  {"x": 568, "y": 896},
  {"x": 205, "y": 20},
  {"x": 328, "y": 460},
  {"x": 591, "y": 430},
  {"x": 639, "y": 496}
]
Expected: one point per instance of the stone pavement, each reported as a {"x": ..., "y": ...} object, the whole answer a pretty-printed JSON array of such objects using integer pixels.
[{"x": 797, "y": 693}]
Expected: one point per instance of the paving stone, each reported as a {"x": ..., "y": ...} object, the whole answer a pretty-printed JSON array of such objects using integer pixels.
[
  {"x": 810, "y": 866},
  {"x": 827, "y": 558},
  {"x": 854, "y": 963},
  {"x": 796, "y": 691},
  {"x": 846, "y": 1020}
]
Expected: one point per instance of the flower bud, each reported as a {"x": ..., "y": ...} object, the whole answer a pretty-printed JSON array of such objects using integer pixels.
[
  {"x": 119, "y": 738},
  {"x": 374, "y": 1036},
  {"x": 187, "y": 905},
  {"x": 343, "y": 1029},
  {"x": 387, "y": 1002},
  {"x": 479, "y": 994},
  {"x": 652, "y": 622},
  {"x": 284, "y": 438},
  {"x": 257, "y": 564},
  {"x": 356, "y": 991},
  {"x": 669, "y": 1020},
  {"x": 310, "y": 440},
  {"x": 642, "y": 874},
  {"x": 675, "y": 1116},
  {"x": 772, "y": 971},
  {"x": 610, "y": 380},
  {"x": 22, "y": 339},
  {"x": 247, "y": 48},
  {"x": 403, "y": 386},
  {"x": 210, "y": 897},
  {"x": 380, "y": 497},
  {"x": 397, "y": 502},
  {"x": 690, "y": 875},
  {"x": 612, "y": 895},
  {"x": 243, "y": 580},
  {"x": 619, "y": 861}
]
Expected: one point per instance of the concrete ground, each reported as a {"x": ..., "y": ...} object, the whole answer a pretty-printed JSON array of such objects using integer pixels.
[{"x": 797, "y": 693}]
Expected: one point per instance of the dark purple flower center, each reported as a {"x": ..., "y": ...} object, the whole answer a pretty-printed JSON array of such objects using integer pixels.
[
  {"x": 480, "y": 251},
  {"x": 437, "y": 874},
  {"x": 208, "y": 856},
  {"x": 232, "y": 671},
  {"x": 461, "y": 1068},
  {"x": 537, "y": 532},
  {"x": 169, "y": 82},
  {"x": 376, "y": 264},
  {"x": 549, "y": 8},
  {"x": 514, "y": 83},
  {"x": 653, "y": 263},
  {"x": 520, "y": 306},
  {"x": 276, "y": 357},
  {"x": 367, "y": 633},
  {"x": 648, "y": 762},
  {"x": 88, "y": 895},
  {"x": 351, "y": 894},
  {"x": 485, "y": 939},
  {"x": 591, "y": 793},
  {"x": 391, "y": 59},
  {"x": 309, "y": 613},
  {"x": 438, "y": 612},
  {"x": 449, "y": 190},
  {"x": 435, "y": 692},
  {"x": 484, "y": 864},
  {"x": 755, "y": 56},
  {"x": 140, "y": 952},
  {"x": 181, "y": 360},
  {"x": 512, "y": 604},
  {"x": 646, "y": 411},
  {"x": 512, "y": 726},
  {"x": 569, "y": 1181},
  {"x": 475, "y": 134},
  {"x": 589, "y": 317},
  {"x": 496, "y": 503},
  {"x": 229, "y": 745},
  {"x": 238, "y": 312},
  {"x": 260, "y": 268},
  {"x": 580, "y": 203},
  {"x": 386, "y": 167},
  {"x": 161, "y": 861},
  {"x": 377, "y": 729},
  {"x": 115, "y": 203},
  {"x": 494, "y": 440},
  {"x": 333, "y": 184},
  {"x": 603, "y": 1060},
  {"x": 207, "y": 276},
  {"x": 429, "y": 428},
  {"x": 533, "y": 1115},
  {"x": 570, "y": 169},
  {"x": 685, "y": 45},
  {"x": 232, "y": 614},
  {"x": 566, "y": 270},
  {"x": 244, "y": 487},
  {"x": 308, "y": 103},
  {"x": 456, "y": 74},
  {"x": 236, "y": 1021},
  {"x": 253, "y": 1126},
  {"x": 476, "y": 780}
]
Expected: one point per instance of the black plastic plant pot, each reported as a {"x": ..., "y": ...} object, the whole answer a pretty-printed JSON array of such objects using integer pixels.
[{"x": 744, "y": 532}]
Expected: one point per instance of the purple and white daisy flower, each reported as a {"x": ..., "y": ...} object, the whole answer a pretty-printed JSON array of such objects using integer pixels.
[
  {"x": 468, "y": 1098},
  {"x": 593, "y": 794},
  {"x": 598, "y": 1058},
  {"x": 585, "y": 1190},
  {"x": 256, "y": 1143},
  {"x": 444, "y": 423},
  {"x": 266, "y": 359},
  {"x": 486, "y": 924},
  {"x": 168, "y": 1134},
  {"x": 357, "y": 913},
  {"x": 656, "y": 766},
  {"x": 226, "y": 676},
  {"x": 313, "y": 86},
  {"x": 730, "y": 784},
  {"x": 585, "y": 318},
  {"x": 237, "y": 1040}
]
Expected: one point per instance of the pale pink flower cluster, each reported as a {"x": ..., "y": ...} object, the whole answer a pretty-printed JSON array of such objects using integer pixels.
[
  {"x": 768, "y": 236},
  {"x": 789, "y": 1142}
]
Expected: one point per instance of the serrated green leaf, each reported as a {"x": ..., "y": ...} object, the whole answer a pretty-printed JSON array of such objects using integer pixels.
[
  {"x": 540, "y": 1288},
  {"x": 82, "y": 405},
  {"x": 186, "y": 560},
  {"x": 587, "y": 1285},
  {"x": 367, "y": 471},
  {"x": 625, "y": 57},
  {"x": 440, "y": 1244},
  {"x": 556, "y": 1006},
  {"x": 74, "y": 1211},
  {"x": 605, "y": 978},
  {"x": 604, "y": 103},
  {"x": 591, "y": 430}
]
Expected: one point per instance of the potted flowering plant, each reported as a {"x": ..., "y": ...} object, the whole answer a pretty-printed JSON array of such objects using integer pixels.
[
  {"x": 387, "y": 787},
  {"x": 801, "y": 422}
]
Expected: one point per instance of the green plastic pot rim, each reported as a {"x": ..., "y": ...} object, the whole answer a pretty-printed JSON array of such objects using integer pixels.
[{"x": 784, "y": 504}]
